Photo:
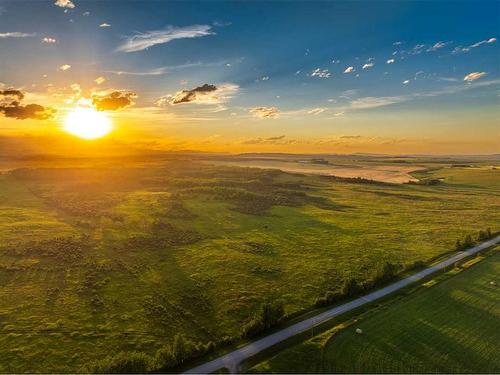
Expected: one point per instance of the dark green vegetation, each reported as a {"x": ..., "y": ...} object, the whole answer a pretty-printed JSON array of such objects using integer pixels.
[
  {"x": 103, "y": 260},
  {"x": 452, "y": 326}
]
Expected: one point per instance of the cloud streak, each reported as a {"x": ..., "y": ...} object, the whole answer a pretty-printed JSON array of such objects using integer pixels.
[
  {"x": 473, "y": 76},
  {"x": 142, "y": 41},
  {"x": 16, "y": 34}
]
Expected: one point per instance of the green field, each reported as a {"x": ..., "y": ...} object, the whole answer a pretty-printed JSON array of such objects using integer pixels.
[
  {"x": 451, "y": 326},
  {"x": 99, "y": 260}
]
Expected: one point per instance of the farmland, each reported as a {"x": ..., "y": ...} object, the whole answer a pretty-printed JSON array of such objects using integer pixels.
[
  {"x": 108, "y": 259},
  {"x": 445, "y": 327}
]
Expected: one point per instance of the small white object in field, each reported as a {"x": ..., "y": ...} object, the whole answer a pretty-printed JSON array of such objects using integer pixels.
[
  {"x": 493, "y": 283},
  {"x": 359, "y": 331}
]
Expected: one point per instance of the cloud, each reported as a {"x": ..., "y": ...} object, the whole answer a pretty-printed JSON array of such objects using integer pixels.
[
  {"x": 68, "y": 4},
  {"x": 142, "y": 41},
  {"x": 205, "y": 94},
  {"x": 10, "y": 106},
  {"x": 473, "y": 76},
  {"x": 65, "y": 67},
  {"x": 316, "y": 111},
  {"x": 339, "y": 114},
  {"x": 418, "y": 49},
  {"x": 390, "y": 61},
  {"x": 349, "y": 69},
  {"x": 368, "y": 66},
  {"x": 321, "y": 73},
  {"x": 437, "y": 46},
  {"x": 49, "y": 40},
  {"x": 406, "y": 82},
  {"x": 487, "y": 41},
  {"x": 151, "y": 72},
  {"x": 86, "y": 14},
  {"x": 11, "y": 93},
  {"x": 461, "y": 49},
  {"x": 397, "y": 43},
  {"x": 374, "y": 102},
  {"x": 114, "y": 100},
  {"x": 351, "y": 137},
  {"x": 100, "y": 80},
  {"x": 264, "y": 78},
  {"x": 265, "y": 112},
  {"x": 104, "y": 25},
  {"x": 269, "y": 140},
  {"x": 16, "y": 34}
]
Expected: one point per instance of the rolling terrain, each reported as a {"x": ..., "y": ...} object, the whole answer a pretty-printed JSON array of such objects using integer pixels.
[{"x": 109, "y": 259}]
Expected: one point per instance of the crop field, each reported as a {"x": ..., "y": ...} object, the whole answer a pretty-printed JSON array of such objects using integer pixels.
[
  {"x": 447, "y": 327},
  {"x": 97, "y": 260}
]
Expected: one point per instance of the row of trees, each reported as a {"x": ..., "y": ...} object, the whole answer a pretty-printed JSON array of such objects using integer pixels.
[
  {"x": 468, "y": 241},
  {"x": 352, "y": 287},
  {"x": 168, "y": 356},
  {"x": 182, "y": 349}
]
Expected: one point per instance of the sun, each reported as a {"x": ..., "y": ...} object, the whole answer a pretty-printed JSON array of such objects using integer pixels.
[{"x": 87, "y": 123}]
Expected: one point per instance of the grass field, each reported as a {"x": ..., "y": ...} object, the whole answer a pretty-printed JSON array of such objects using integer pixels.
[
  {"x": 446, "y": 327},
  {"x": 98, "y": 260}
]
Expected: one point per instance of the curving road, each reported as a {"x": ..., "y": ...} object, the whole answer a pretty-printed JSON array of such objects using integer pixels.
[{"x": 232, "y": 359}]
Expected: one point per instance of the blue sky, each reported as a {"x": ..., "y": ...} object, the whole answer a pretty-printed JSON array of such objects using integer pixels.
[{"x": 413, "y": 71}]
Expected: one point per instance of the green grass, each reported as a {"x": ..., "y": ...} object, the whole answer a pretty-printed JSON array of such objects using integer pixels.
[
  {"x": 447, "y": 327},
  {"x": 202, "y": 267}
]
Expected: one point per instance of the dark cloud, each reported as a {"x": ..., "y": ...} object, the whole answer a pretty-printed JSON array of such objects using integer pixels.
[
  {"x": 10, "y": 106},
  {"x": 12, "y": 93},
  {"x": 114, "y": 100},
  {"x": 186, "y": 96},
  {"x": 29, "y": 111}
]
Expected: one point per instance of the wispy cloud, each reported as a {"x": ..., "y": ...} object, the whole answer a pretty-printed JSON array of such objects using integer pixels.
[
  {"x": 473, "y": 76},
  {"x": 316, "y": 111},
  {"x": 65, "y": 67},
  {"x": 321, "y": 73},
  {"x": 16, "y": 34},
  {"x": 390, "y": 61},
  {"x": 100, "y": 80},
  {"x": 265, "y": 112},
  {"x": 103, "y": 25},
  {"x": 150, "y": 72},
  {"x": 437, "y": 46},
  {"x": 142, "y": 41},
  {"x": 461, "y": 49},
  {"x": 374, "y": 102},
  {"x": 278, "y": 140},
  {"x": 349, "y": 69},
  {"x": 368, "y": 66}
]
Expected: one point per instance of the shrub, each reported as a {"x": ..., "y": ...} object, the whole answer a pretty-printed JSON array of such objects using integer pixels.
[
  {"x": 270, "y": 315},
  {"x": 122, "y": 363},
  {"x": 351, "y": 288}
]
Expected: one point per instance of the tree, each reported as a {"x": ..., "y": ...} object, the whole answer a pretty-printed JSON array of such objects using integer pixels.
[{"x": 351, "y": 287}]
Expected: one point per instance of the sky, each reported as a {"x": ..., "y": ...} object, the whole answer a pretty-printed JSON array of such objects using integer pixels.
[{"x": 317, "y": 77}]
